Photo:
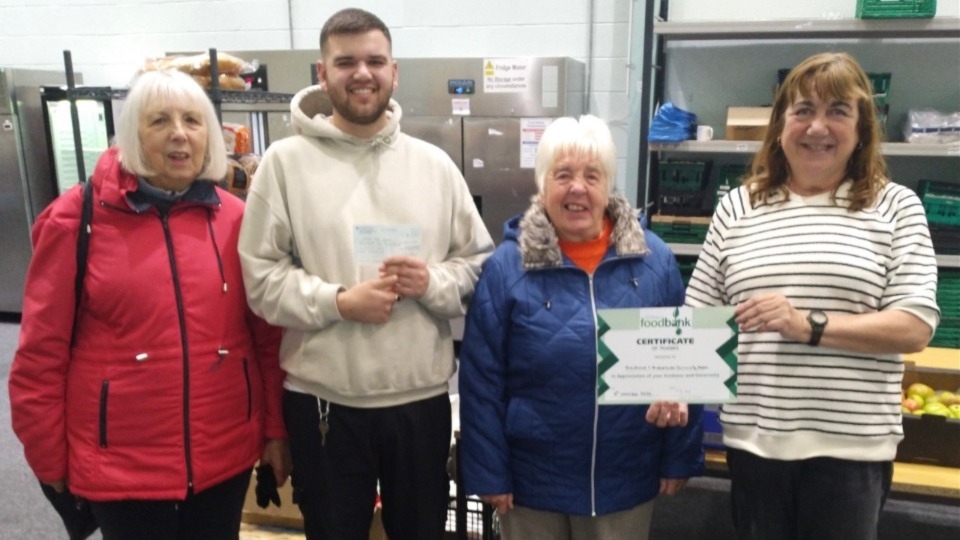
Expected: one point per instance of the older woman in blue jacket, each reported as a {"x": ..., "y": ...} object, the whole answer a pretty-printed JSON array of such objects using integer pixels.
[{"x": 535, "y": 442}]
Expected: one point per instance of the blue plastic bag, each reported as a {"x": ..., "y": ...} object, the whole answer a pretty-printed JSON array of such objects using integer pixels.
[{"x": 672, "y": 124}]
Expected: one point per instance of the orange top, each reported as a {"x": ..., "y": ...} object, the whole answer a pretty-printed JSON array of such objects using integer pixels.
[{"x": 587, "y": 255}]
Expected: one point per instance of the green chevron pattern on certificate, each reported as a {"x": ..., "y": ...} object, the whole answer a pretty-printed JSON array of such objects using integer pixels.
[{"x": 666, "y": 354}]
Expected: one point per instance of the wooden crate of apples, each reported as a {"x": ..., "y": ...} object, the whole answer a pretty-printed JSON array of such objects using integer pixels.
[
  {"x": 931, "y": 417},
  {"x": 920, "y": 398}
]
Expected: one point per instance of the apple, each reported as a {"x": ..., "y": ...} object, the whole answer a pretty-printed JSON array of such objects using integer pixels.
[
  {"x": 919, "y": 399},
  {"x": 937, "y": 409},
  {"x": 911, "y": 404},
  {"x": 920, "y": 389},
  {"x": 955, "y": 409},
  {"x": 949, "y": 398}
]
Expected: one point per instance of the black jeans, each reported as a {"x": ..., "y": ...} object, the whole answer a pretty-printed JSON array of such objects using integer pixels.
[
  {"x": 404, "y": 448},
  {"x": 212, "y": 514},
  {"x": 808, "y": 499}
]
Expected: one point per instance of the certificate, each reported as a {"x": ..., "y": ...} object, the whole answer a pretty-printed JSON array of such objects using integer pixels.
[{"x": 666, "y": 354}]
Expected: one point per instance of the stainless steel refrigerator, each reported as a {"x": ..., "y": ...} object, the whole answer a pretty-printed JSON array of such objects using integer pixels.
[
  {"x": 26, "y": 184},
  {"x": 488, "y": 115}
]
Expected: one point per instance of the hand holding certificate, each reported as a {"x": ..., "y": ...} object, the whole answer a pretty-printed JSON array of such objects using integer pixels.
[{"x": 667, "y": 354}]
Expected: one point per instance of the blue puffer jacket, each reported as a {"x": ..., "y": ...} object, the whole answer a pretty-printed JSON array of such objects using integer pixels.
[{"x": 530, "y": 423}]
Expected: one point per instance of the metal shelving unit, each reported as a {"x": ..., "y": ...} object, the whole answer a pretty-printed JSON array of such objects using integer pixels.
[
  {"x": 942, "y": 27},
  {"x": 255, "y": 102},
  {"x": 769, "y": 31}
]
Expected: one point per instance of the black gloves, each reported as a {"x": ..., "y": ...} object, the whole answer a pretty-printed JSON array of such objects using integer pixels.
[{"x": 267, "y": 487}]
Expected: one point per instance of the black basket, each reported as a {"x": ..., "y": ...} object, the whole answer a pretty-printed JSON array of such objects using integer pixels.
[{"x": 479, "y": 520}]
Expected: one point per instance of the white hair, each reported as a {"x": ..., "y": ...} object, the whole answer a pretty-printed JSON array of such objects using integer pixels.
[
  {"x": 162, "y": 86},
  {"x": 589, "y": 136}
]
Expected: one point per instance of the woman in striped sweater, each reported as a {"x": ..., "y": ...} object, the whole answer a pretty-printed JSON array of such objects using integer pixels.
[{"x": 833, "y": 274}]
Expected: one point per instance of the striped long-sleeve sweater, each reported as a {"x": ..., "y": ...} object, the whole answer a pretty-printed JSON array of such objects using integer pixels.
[{"x": 795, "y": 401}]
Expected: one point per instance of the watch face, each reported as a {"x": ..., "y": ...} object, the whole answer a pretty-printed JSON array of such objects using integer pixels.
[{"x": 818, "y": 317}]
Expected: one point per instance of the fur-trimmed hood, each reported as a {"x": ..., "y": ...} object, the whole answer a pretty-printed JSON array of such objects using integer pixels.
[{"x": 539, "y": 244}]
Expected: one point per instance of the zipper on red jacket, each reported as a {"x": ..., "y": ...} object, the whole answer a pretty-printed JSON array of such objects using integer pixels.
[
  {"x": 186, "y": 350},
  {"x": 104, "y": 394},
  {"x": 246, "y": 378}
]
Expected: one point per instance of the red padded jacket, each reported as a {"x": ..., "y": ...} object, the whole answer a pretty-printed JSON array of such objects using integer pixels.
[{"x": 171, "y": 381}]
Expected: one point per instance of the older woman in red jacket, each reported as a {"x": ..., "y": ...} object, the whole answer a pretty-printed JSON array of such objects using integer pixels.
[{"x": 169, "y": 390}]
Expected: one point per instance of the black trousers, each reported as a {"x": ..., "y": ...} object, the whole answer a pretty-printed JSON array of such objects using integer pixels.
[
  {"x": 335, "y": 478},
  {"x": 212, "y": 514},
  {"x": 808, "y": 499}
]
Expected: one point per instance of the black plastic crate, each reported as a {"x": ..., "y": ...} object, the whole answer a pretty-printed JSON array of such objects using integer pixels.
[
  {"x": 681, "y": 203},
  {"x": 677, "y": 175},
  {"x": 728, "y": 179},
  {"x": 478, "y": 519}
]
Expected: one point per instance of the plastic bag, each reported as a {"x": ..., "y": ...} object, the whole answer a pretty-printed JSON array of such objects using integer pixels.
[
  {"x": 236, "y": 137},
  {"x": 931, "y": 126},
  {"x": 672, "y": 124}
]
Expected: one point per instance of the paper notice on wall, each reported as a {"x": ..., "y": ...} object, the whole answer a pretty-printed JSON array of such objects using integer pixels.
[
  {"x": 93, "y": 136},
  {"x": 531, "y": 129},
  {"x": 504, "y": 75}
]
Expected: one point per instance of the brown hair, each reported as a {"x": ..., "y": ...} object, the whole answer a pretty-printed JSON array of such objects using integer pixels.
[
  {"x": 352, "y": 21},
  {"x": 830, "y": 76}
]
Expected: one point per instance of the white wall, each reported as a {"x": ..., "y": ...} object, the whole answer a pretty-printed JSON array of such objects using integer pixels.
[{"x": 110, "y": 39}]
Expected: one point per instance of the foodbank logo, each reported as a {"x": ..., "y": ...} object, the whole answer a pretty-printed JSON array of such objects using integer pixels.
[{"x": 677, "y": 322}]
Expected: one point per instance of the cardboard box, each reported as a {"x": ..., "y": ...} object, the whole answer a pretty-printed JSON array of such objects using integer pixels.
[
  {"x": 747, "y": 123},
  {"x": 929, "y": 439}
]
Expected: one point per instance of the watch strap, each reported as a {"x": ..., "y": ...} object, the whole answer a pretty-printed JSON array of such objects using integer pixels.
[{"x": 816, "y": 328}]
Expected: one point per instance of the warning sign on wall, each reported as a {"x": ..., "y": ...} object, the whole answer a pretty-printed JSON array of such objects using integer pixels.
[{"x": 506, "y": 74}]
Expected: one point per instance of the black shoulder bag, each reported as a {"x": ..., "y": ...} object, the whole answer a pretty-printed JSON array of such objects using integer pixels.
[{"x": 75, "y": 511}]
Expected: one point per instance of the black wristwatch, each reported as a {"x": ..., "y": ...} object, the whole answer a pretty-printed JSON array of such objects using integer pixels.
[{"x": 818, "y": 321}]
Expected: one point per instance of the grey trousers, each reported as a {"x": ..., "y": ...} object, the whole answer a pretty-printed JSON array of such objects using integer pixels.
[{"x": 526, "y": 524}]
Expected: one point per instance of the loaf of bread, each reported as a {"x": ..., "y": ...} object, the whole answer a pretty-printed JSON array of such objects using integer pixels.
[
  {"x": 199, "y": 64},
  {"x": 227, "y": 82}
]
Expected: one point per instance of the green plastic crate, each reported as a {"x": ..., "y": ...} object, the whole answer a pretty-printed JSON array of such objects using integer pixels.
[
  {"x": 881, "y": 88},
  {"x": 942, "y": 209},
  {"x": 941, "y": 201},
  {"x": 936, "y": 187},
  {"x": 896, "y": 9}
]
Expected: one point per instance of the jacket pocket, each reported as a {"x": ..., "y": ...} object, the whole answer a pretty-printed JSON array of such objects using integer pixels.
[
  {"x": 246, "y": 378},
  {"x": 104, "y": 394}
]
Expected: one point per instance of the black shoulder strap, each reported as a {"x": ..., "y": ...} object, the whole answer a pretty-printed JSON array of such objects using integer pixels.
[{"x": 83, "y": 247}]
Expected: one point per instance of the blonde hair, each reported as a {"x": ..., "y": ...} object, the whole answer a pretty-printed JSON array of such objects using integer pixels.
[
  {"x": 831, "y": 76},
  {"x": 162, "y": 86},
  {"x": 587, "y": 135}
]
